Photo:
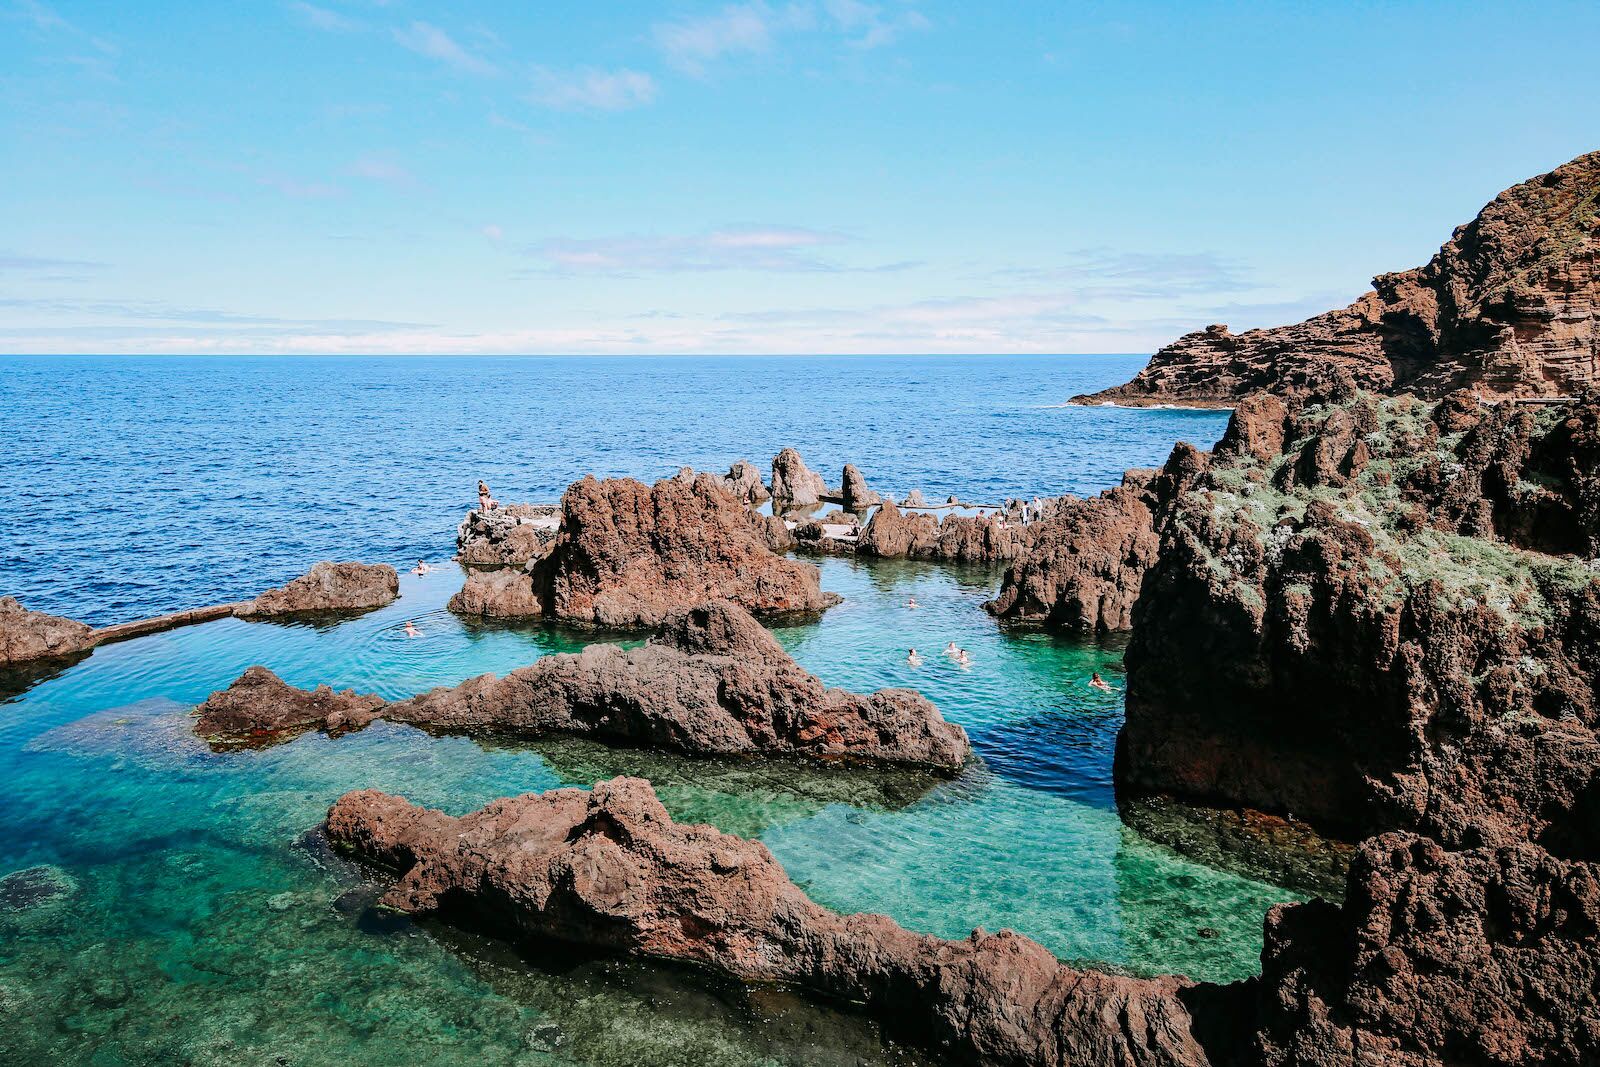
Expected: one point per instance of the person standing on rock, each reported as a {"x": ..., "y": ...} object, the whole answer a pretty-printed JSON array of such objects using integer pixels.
[{"x": 485, "y": 501}]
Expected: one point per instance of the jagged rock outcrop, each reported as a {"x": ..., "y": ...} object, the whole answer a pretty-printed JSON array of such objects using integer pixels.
[
  {"x": 1089, "y": 557},
  {"x": 895, "y": 534},
  {"x": 327, "y": 587},
  {"x": 609, "y": 869},
  {"x": 30, "y": 637},
  {"x": 261, "y": 709},
  {"x": 508, "y": 534},
  {"x": 855, "y": 495},
  {"x": 1343, "y": 623},
  {"x": 1484, "y": 957},
  {"x": 743, "y": 483},
  {"x": 794, "y": 485},
  {"x": 1510, "y": 306},
  {"x": 628, "y": 555},
  {"x": 712, "y": 682}
]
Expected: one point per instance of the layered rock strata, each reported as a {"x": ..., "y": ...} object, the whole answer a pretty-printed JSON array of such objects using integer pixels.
[
  {"x": 712, "y": 682},
  {"x": 327, "y": 587},
  {"x": 1358, "y": 616},
  {"x": 1510, "y": 306},
  {"x": 609, "y": 869},
  {"x": 628, "y": 555}
]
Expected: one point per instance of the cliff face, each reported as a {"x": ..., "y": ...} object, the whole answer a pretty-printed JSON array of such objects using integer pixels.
[
  {"x": 1381, "y": 615},
  {"x": 1510, "y": 306}
]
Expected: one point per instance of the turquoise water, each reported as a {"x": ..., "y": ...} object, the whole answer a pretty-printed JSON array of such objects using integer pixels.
[
  {"x": 207, "y": 927},
  {"x": 197, "y": 917}
]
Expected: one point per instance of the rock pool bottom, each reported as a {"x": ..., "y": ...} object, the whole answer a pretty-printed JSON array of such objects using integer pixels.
[{"x": 187, "y": 914}]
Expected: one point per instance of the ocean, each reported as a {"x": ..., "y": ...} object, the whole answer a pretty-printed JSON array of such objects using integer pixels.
[{"x": 199, "y": 918}]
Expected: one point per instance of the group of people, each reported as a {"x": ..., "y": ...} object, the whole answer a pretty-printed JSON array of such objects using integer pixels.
[{"x": 962, "y": 657}]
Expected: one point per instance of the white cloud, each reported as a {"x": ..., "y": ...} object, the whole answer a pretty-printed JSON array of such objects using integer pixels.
[
  {"x": 493, "y": 232},
  {"x": 322, "y": 18},
  {"x": 429, "y": 40},
  {"x": 761, "y": 248},
  {"x": 738, "y": 29},
  {"x": 592, "y": 90},
  {"x": 40, "y": 16},
  {"x": 378, "y": 169}
]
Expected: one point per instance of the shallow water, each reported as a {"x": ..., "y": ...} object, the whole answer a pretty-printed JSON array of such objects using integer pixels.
[{"x": 198, "y": 920}]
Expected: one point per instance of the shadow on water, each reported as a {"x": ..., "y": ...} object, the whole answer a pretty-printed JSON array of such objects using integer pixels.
[{"x": 17, "y": 680}]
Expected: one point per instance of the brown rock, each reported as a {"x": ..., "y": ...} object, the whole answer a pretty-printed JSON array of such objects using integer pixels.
[
  {"x": 743, "y": 483},
  {"x": 1484, "y": 957},
  {"x": 500, "y": 593},
  {"x": 794, "y": 485},
  {"x": 261, "y": 709},
  {"x": 628, "y": 555},
  {"x": 508, "y": 534},
  {"x": 328, "y": 587},
  {"x": 712, "y": 682},
  {"x": 1508, "y": 307},
  {"x": 856, "y": 496},
  {"x": 34, "y": 637},
  {"x": 609, "y": 869},
  {"x": 893, "y": 534}
]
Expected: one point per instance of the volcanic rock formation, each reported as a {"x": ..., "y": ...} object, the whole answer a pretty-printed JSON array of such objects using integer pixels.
[
  {"x": 794, "y": 485},
  {"x": 1381, "y": 615},
  {"x": 1510, "y": 306},
  {"x": 856, "y": 496},
  {"x": 327, "y": 587},
  {"x": 628, "y": 555},
  {"x": 511, "y": 534},
  {"x": 713, "y": 681},
  {"x": 609, "y": 869},
  {"x": 34, "y": 637},
  {"x": 894, "y": 534},
  {"x": 743, "y": 483}
]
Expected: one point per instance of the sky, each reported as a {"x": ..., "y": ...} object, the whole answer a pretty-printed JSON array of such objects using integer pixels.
[{"x": 815, "y": 176}]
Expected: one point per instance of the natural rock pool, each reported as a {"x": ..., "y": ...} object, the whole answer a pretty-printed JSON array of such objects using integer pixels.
[{"x": 194, "y": 917}]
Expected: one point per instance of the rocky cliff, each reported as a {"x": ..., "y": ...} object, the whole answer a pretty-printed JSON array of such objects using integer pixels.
[
  {"x": 628, "y": 555},
  {"x": 510, "y": 534},
  {"x": 713, "y": 681},
  {"x": 1510, "y": 306},
  {"x": 1380, "y": 615}
]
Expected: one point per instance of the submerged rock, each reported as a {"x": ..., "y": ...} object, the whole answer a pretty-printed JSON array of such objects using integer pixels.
[
  {"x": 1510, "y": 306},
  {"x": 629, "y": 555},
  {"x": 713, "y": 681},
  {"x": 31, "y": 637},
  {"x": 508, "y": 534},
  {"x": 794, "y": 485},
  {"x": 609, "y": 869},
  {"x": 327, "y": 587},
  {"x": 35, "y": 887}
]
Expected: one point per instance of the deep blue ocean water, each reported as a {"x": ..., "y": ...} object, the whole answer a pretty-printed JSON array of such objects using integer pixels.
[{"x": 203, "y": 923}]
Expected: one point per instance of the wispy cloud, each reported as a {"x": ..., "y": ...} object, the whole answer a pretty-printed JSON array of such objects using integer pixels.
[
  {"x": 759, "y": 248},
  {"x": 429, "y": 40},
  {"x": 693, "y": 43},
  {"x": 1139, "y": 275},
  {"x": 592, "y": 90},
  {"x": 46, "y": 265},
  {"x": 155, "y": 311},
  {"x": 379, "y": 169},
  {"x": 870, "y": 25},
  {"x": 39, "y": 16},
  {"x": 322, "y": 18}
]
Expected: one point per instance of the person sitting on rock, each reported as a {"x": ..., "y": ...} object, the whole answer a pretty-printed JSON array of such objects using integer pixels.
[
  {"x": 1100, "y": 683},
  {"x": 411, "y": 629},
  {"x": 912, "y": 659},
  {"x": 485, "y": 501}
]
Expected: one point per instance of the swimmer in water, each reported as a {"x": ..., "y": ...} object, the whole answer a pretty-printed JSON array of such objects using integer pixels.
[
  {"x": 962, "y": 657},
  {"x": 411, "y": 629},
  {"x": 911, "y": 602},
  {"x": 951, "y": 650},
  {"x": 1100, "y": 683},
  {"x": 913, "y": 659},
  {"x": 421, "y": 567}
]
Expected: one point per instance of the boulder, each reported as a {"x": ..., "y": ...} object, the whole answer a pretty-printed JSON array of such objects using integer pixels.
[
  {"x": 713, "y": 681},
  {"x": 794, "y": 485},
  {"x": 743, "y": 483},
  {"x": 508, "y": 534},
  {"x": 327, "y": 587},
  {"x": 893, "y": 534},
  {"x": 608, "y": 869},
  {"x": 30, "y": 637},
  {"x": 629, "y": 555},
  {"x": 1510, "y": 306},
  {"x": 855, "y": 495}
]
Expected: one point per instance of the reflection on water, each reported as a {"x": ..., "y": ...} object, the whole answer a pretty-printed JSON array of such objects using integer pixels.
[{"x": 201, "y": 926}]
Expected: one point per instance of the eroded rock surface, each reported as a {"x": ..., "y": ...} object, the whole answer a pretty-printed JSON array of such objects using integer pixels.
[
  {"x": 1344, "y": 623},
  {"x": 794, "y": 485},
  {"x": 1490, "y": 956},
  {"x": 895, "y": 534},
  {"x": 508, "y": 534},
  {"x": 1510, "y": 306},
  {"x": 327, "y": 587},
  {"x": 855, "y": 495},
  {"x": 713, "y": 681},
  {"x": 31, "y": 637},
  {"x": 628, "y": 555},
  {"x": 609, "y": 869},
  {"x": 743, "y": 483}
]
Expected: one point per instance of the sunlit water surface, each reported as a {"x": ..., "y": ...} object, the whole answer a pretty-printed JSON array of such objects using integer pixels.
[{"x": 200, "y": 920}]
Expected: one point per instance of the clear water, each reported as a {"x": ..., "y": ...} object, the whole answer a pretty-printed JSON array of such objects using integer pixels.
[{"x": 204, "y": 925}]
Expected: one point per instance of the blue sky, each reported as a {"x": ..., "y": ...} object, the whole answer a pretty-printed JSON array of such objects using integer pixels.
[{"x": 814, "y": 176}]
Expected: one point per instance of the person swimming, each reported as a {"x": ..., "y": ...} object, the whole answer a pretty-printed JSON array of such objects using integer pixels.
[
  {"x": 963, "y": 658},
  {"x": 1100, "y": 683},
  {"x": 411, "y": 629},
  {"x": 911, "y": 602},
  {"x": 951, "y": 650},
  {"x": 913, "y": 659},
  {"x": 421, "y": 567}
]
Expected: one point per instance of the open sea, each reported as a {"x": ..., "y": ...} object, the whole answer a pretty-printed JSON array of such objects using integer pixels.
[{"x": 194, "y": 916}]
